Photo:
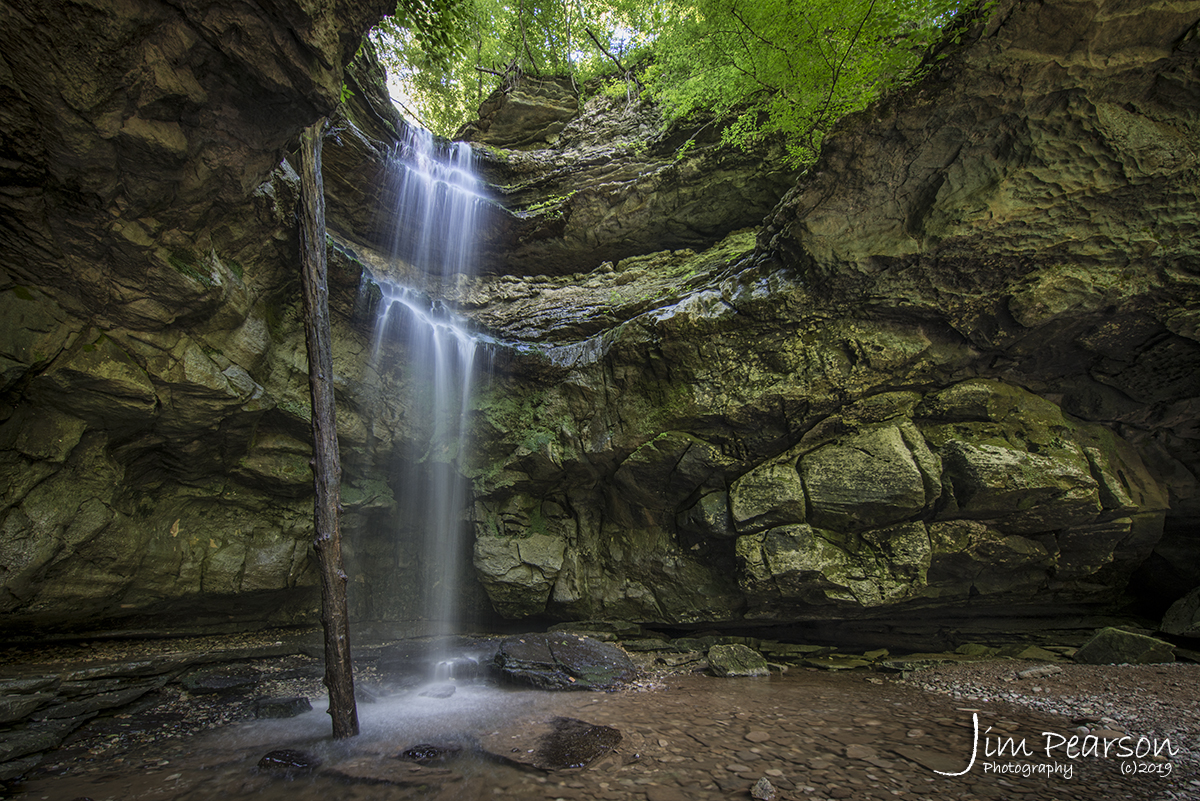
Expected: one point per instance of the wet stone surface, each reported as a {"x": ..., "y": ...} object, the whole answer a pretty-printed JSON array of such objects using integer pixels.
[
  {"x": 574, "y": 743},
  {"x": 564, "y": 661},
  {"x": 425, "y": 753},
  {"x": 288, "y": 761},
  {"x": 809, "y": 734}
]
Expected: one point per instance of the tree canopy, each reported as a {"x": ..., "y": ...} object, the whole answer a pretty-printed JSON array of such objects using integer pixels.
[{"x": 763, "y": 68}]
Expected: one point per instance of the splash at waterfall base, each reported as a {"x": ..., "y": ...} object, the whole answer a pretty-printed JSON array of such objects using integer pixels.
[{"x": 683, "y": 735}]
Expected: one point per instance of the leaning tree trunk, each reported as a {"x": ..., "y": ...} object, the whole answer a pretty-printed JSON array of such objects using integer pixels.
[{"x": 327, "y": 469}]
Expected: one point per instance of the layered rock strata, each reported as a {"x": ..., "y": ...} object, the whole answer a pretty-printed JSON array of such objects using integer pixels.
[{"x": 954, "y": 375}]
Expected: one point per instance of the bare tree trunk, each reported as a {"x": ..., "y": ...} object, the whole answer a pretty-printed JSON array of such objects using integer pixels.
[{"x": 327, "y": 468}]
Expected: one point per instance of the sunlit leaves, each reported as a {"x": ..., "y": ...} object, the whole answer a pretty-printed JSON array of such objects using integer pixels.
[
  {"x": 492, "y": 39},
  {"x": 765, "y": 68},
  {"x": 790, "y": 68}
]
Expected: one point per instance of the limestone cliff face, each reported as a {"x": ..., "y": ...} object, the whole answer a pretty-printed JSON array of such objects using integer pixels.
[
  {"x": 959, "y": 371},
  {"x": 154, "y": 459},
  {"x": 955, "y": 372}
]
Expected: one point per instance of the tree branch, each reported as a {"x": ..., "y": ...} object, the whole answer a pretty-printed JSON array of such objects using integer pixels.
[
  {"x": 628, "y": 74},
  {"x": 838, "y": 71}
]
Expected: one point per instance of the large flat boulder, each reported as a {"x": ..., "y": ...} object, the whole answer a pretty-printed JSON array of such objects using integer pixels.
[{"x": 564, "y": 661}]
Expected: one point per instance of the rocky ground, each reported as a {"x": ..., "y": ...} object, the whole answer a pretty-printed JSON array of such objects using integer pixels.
[
  {"x": 1155, "y": 702},
  {"x": 821, "y": 733}
]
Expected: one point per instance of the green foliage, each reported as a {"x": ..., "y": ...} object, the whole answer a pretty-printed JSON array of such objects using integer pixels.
[
  {"x": 764, "y": 68},
  {"x": 487, "y": 42},
  {"x": 790, "y": 68},
  {"x": 552, "y": 205}
]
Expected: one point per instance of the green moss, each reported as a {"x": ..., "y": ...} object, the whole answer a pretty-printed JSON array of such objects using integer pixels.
[
  {"x": 236, "y": 268},
  {"x": 296, "y": 409},
  {"x": 550, "y": 207},
  {"x": 537, "y": 522},
  {"x": 186, "y": 264},
  {"x": 22, "y": 293}
]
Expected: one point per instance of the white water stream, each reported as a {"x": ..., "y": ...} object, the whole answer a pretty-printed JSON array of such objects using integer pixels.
[{"x": 438, "y": 208}]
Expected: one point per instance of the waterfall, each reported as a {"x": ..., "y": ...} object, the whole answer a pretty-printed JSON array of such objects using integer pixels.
[{"x": 439, "y": 201}]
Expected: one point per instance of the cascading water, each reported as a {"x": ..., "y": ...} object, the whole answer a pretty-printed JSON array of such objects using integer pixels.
[{"x": 439, "y": 203}]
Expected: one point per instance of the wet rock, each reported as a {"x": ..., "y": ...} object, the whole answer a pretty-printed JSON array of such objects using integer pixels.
[
  {"x": 288, "y": 761},
  {"x": 574, "y": 743},
  {"x": 462, "y": 668},
  {"x": 600, "y": 629},
  {"x": 647, "y": 644},
  {"x": 220, "y": 679},
  {"x": 22, "y": 742},
  {"x": 18, "y": 767},
  {"x": 17, "y": 707},
  {"x": 836, "y": 662},
  {"x": 439, "y": 691},
  {"x": 1032, "y": 652},
  {"x": 562, "y": 661},
  {"x": 92, "y": 704},
  {"x": 1183, "y": 618},
  {"x": 1113, "y": 646},
  {"x": 19, "y": 686},
  {"x": 426, "y": 753},
  {"x": 555, "y": 744},
  {"x": 288, "y": 707},
  {"x": 789, "y": 650},
  {"x": 733, "y": 661},
  {"x": 377, "y": 769}
]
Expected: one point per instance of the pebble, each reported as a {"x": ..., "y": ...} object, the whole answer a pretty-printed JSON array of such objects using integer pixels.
[{"x": 763, "y": 790}]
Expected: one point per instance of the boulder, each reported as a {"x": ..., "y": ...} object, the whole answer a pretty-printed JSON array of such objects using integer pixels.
[
  {"x": 770, "y": 495},
  {"x": 574, "y": 743},
  {"x": 1028, "y": 492},
  {"x": 526, "y": 115},
  {"x": 735, "y": 661},
  {"x": 799, "y": 565},
  {"x": 564, "y": 661},
  {"x": 519, "y": 572},
  {"x": 560, "y": 743},
  {"x": 863, "y": 481},
  {"x": 1183, "y": 618},
  {"x": 1113, "y": 646}
]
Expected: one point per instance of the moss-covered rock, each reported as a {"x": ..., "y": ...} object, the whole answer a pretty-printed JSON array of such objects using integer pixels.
[
  {"x": 736, "y": 661},
  {"x": 519, "y": 572},
  {"x": 1113, "y": 646},
  {"x": 866, "y": 480}
]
